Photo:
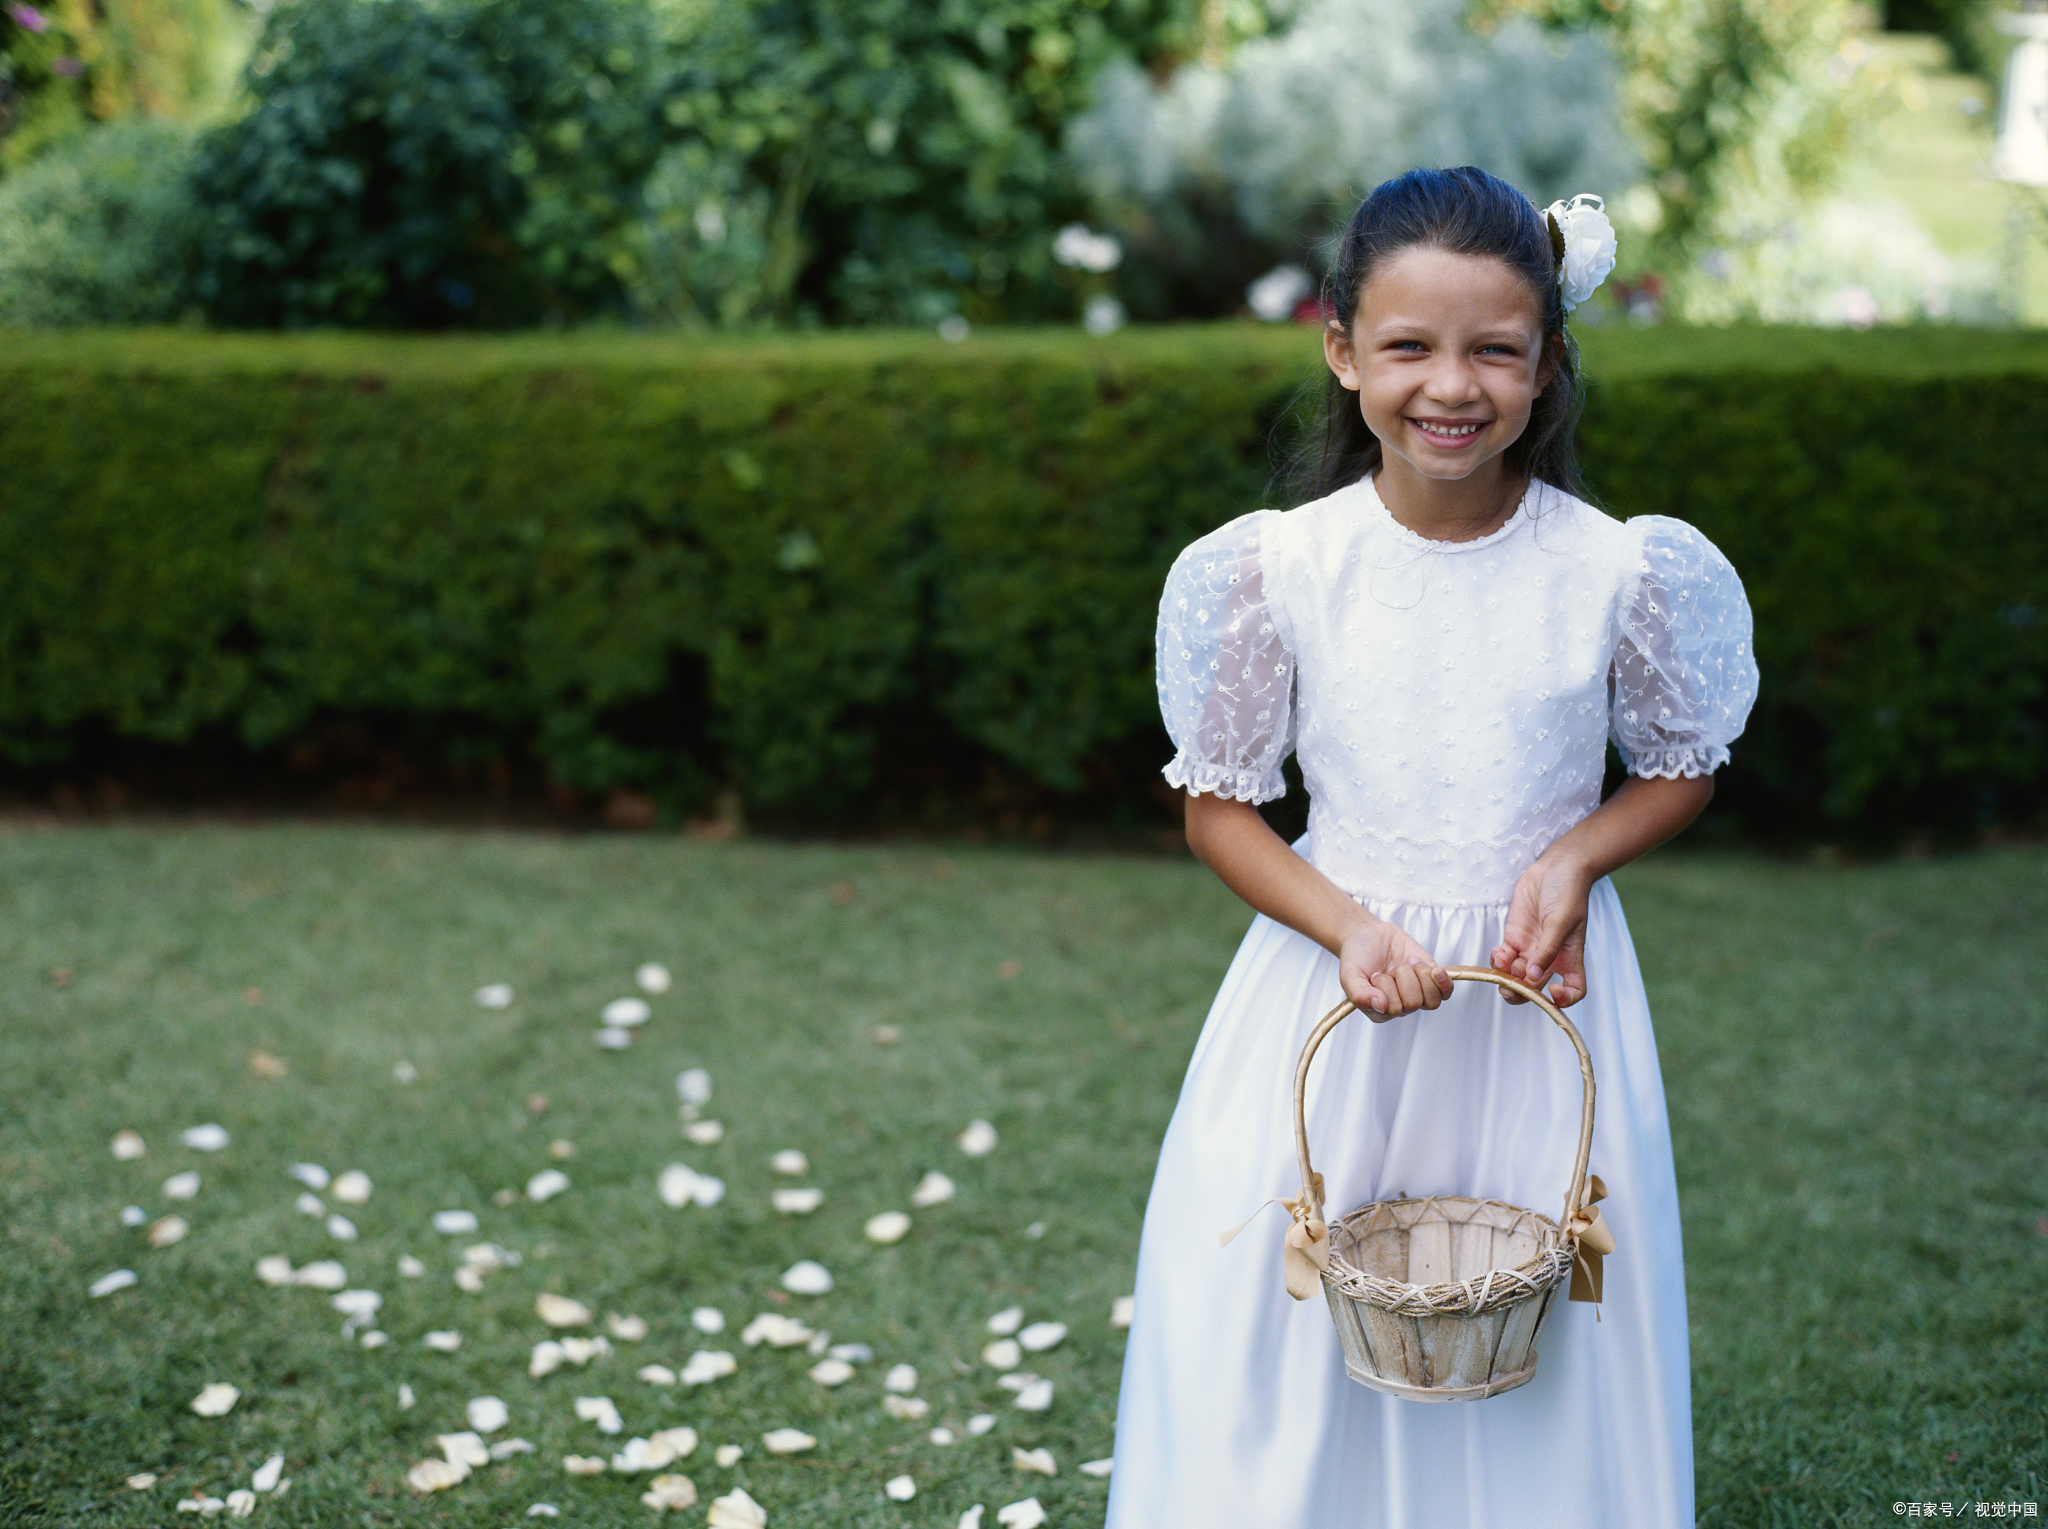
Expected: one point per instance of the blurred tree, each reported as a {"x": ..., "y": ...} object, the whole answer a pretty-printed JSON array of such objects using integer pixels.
[{"x": 414, "y": 165}]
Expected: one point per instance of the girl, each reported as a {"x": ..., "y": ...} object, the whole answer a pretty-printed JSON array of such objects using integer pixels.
[{"x": 1446, "y": 638}]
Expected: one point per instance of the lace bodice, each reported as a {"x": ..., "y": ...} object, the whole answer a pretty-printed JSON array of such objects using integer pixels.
[{"x": 1449, "y": 702}]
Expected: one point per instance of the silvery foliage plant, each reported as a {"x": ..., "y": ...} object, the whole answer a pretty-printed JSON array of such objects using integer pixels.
[{"x": 1229, "y": 168}]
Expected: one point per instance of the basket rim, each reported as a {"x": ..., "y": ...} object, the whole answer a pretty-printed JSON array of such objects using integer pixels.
[{"x": 1482, "y": 1293}]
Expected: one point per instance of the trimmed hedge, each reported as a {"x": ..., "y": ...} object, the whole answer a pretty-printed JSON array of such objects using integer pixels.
[{"x": 823, "y": 568}]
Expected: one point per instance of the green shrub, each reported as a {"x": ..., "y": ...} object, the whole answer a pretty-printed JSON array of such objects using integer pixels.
[{"x": 815, "y": 568}]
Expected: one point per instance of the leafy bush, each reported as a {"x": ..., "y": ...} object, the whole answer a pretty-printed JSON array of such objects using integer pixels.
[
  {"x": 828, "y": 568},
  {"x": 100, "y": 230}
]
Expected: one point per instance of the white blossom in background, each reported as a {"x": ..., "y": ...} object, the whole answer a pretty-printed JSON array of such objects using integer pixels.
[
  {"x": 1103, "y": 315},
  {"x": 1082, "y": 248},
  {"x": 1275, "y": 295}
]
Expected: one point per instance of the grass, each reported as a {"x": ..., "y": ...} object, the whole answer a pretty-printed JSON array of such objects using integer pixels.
[{"x": 1854, "y": 1056}]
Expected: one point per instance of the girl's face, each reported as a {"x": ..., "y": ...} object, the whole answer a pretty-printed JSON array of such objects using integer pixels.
[{"x": 1447, "y": 357}]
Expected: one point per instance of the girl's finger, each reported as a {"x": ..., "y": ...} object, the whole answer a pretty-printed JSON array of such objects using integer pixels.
[
  {"x": 1390, "y": 994},
  {"x": 1408, "y": 982},
  {"x": 1425, "y": 985}
]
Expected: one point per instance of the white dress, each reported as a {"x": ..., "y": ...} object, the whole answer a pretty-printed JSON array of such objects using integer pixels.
[{"x": 1450, "y": 706}]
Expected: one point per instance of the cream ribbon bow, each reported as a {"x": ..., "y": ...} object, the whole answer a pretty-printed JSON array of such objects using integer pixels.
[
  {"x": 1594, "y": 1242},
  {"x": 1307, "y": 1252}
]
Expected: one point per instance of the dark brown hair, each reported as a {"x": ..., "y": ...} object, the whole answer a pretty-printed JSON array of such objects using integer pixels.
[{"x": 1466, "y": 212}]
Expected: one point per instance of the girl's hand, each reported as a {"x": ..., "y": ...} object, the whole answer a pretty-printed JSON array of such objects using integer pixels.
[
  {"x": 1546, "y": 931},
  {"x": 1386, "y": 973}
]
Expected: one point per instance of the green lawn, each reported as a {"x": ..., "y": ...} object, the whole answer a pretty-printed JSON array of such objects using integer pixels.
[{"x": 1855, "y": 1059}]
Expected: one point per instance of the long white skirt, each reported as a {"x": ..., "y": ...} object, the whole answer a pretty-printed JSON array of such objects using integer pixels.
[{"x": 1235, "y": 1408}]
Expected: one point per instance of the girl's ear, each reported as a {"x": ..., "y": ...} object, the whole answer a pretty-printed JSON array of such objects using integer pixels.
[{"x": 1338, "y": 355}]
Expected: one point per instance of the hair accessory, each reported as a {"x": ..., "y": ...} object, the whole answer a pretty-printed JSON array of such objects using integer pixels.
[{"x": 1583, "y": 243}]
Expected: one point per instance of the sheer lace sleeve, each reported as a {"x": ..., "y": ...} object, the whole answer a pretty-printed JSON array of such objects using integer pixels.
[
  {"x": 1226, "y": 674},
  {"x": 1684, "y": 673}
]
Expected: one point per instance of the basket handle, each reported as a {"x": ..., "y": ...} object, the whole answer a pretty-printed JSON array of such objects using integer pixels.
[{"x": 1310, "y": 1186}]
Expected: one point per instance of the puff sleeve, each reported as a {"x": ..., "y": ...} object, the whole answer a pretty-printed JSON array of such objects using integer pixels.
[
  {"x": 1684, "y": 674},
  {"x": 1226, "y": 671}
]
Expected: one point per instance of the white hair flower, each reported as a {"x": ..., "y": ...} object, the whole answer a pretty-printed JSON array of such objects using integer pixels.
[{"x": 1589, "y": 246}]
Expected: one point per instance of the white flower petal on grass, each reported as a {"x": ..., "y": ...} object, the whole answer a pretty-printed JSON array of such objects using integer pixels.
[
  {"x": 546, "y": 1184},
  {"x": 309, "y": 1204},
  {"x": 547, "y": 1358},
  {"x": 1096, "y": 1467},
  {"x": 1039, "y": 1460},
  {"x": 652, "y": 977},
  {"x": 494, "y": 995},
  {"x": 182, "y": 1186},
  {"x": 1003, "y": 1354},
  {"x": 487, "y": 1414},
  {"x": 560, "y": 1311},
  {"x": 1035, "y": 1231},
  {"x": 133, "y": 1215},
  {"x": 505, "y": 1449},
  {"x": 1120, "y": 1310},
  {"x": 107, "y": 1284},
  {"x": 1006, "y": 1321},
  {"x": 708, "y": 1319},
  {"x": 693, "y": 1086},
  {"x": 790, "y": 1163},
  {"x": 469, "y": 1278},
  {"x": 405, "y": 1072},
  {"x": 890, "y": 1226},
  {"x": 933, "y": 1189},
  {"x": 665, "y": 1492},
  {"x": 265, "y": 1479},
  {"x": 642, "y": 1455},
  {"x": 561, "y": 1149},
  {"x": 980, "y": 1424},
  {"x": 446, "y": 1341},
  {"x": 374, "y": 1339},
  {"x": 899, "y": 1488},
  {"x": 206, "y": 1138},
  {"x": 1040, "y": 1336},
  {"x": 612, "y": 1038},
  {"x": 1028, "y": 1514},
  {"x": 627, "y": 1012},
  {"x": 340, "y": 1228},
  {"x": 806, "y": 1277},
  {"x": 405, "y": 1397},
  {"x": 625, "y": 1329},
  {"x": 410, "y": 1267},
  {"x": 357, "y": 1303},
  {"x": 941, "y": 1436},
  {"x": 599, "y": 1410},
  {"x": 463, "y": 1449},
  {"x": 705, "y": 1133},
  {"x": 906, "y": 1409},
  {"x": 736, "y": 1510},
  {"x": 707, "y": 1365},
  {"x": 485, "y": 1256},
  {"x": 322, "y": 1274},
  {"x": 584, "y": 1465},
  {"x": 1036, "y": 1397},
  {"x": 676, "y": 1183},
  {"x": 543, "y": 1510},
  {"x": 901, "y": 1377},
  {"x": 971, "y": 1519},
  {"x": 580, "y": 1351},
  {"x": 979, "y": 1139},
  {"x": 312, "y": 1175},
  {"x": 436, "y": 1476},
  {"x": 727, "y": 1456},
  {"x": 455, "y": 1223},
  {"x": 707, "y": 1191},
  {"x": 167, "y": 1230},
  {"x": 656, "y": 1374},
  {"x": 206, "y": 1507},
  {"x": 276, "y": 1269},
  {"x": 796, "y": 1202},
  {"x": 775, "y": 1330},
  {"x": 678, "y": 1441},
  {"x": 127, "y": 1145},
  {"x": 216, "y": 1399},
  {"x": 831, "y": 1372},
  {"x": 353, "y": 1187},
  {"x": 1016, "y": 1381},
  {"x": 787, "y": 1441},
  {"x": 241, "y": 1503}
]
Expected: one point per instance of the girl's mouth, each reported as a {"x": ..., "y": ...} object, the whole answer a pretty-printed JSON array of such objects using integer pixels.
[{"x": 1450, "y": 433}]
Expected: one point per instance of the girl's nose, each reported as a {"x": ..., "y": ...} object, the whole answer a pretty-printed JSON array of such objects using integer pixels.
[{"x": 1451, "y": 381}]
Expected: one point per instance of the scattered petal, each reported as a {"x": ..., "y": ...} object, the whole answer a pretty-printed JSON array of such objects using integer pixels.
[
  {"x": 899, "y": 1488},
  {"x": 215, "y": 1400},
  {"x": 657, "y": 1374},
  {"x": 374, "y": 1339},
  {"x": 666, "y": 1492},
  {"x": 890, "y": 1226},
  {"x": 547, "y": 1358},
  {"x": 775, "y": 1330},
  {"x": 410, "y": 1267},
  {"x": 205, "y": 1506},
  {"x": 446, "y": 1341},
  {"x": 979, "y": 1139},
  {"x": 694, "y": 1086},
  {"x": 206, "y": 1138},
  {"x": 353, "y": 1187},
  {"x": 142, "y": 1481},
  {"x": 625, "y": 1329},
  {"x": 107, "y": 1284},
  {"x": 1028, "y": 1514},
  {"x": 787, "y": 1441},
  {"x": 505, "y": 1449},
  {"x": 340, "y": 1228},
  {"x": 971, "y": 1519},
  {"x": 1036, "y": 1397},
  {"x": 790, "y": 1163},
  {"x": 707, "y": 1365},
  {"x": 901, "y": 1377},
  {"x": 560, "y": 1311},
  {"x": 677, "y": 1182},
  {"x": 708, "y": 1319},
  {"x": 1006, "y": 1321},
  {"x": 1096, "y": 1467},
  {"x": 705, "y": 1133},
  {"x": 599, "y": 1410},
  {"x": 1039, "y": 1460},
  {"x": 463, "y": 1449},
  {"x": 1016, "y": 1381},
  {"x": 624, "y": 1013},
  {"x": 584, "y": 1465},
  {"x": 263, "y": 1065},
  {"x": 543, "y": 1510},
  {"x": 831, "y": 1372},
  {"x": 852, "y": 1353},
  {"x": 494, "y": 995},
  {"x": 707, "y": 1191},
  {"x": 487, "y": 1414},
  {"x": 168, "y": 1230},
  {"x": 1040, "y": 1336},
  {"x": 405, "y": 1397},
  {"x": 613, "y": 1038},
  {"x": 906, "y": 1409},
  {"x": 1120, "y": 1310},
  {"x": 580, "y": 1351},
  {"x": 980, "y": 1424},
  {"x": 309, "y": 1204},
  {"x": 241, "y": 1501},
  {"x": 127, "y": 1145},
  {"x": 736, "y": 1510},
  {"x": 888, "y": 1035},
  {"x": 405, "y": 1072},
  {"x": 727, "y": 1456},
  {"x": 642, "y": 1455},
  {"x": 312, "y": 1175},
  {"x": 546, "y": 1184},
  {"x": 941, "y": 1436},
  {"x": 323, "y": 1274},
  {"x": 360, "y": 1304},
  {"x": 133, "y": 1215},
  {"x": 652, "y": 977},
  {"x": 455, "y": 1223},
  {"x": 469, "y": 1278},
  {"x": 796, "y": 1202},
  {"x": 488, "y": 1255},
  {"x": 934, "y": 1188},
  {"x": 1035, "y": 1231},
  {"x": 806, "y": 1277},
  {"x": 1003, "y": 1354},
  {"x": 182, "y": 1186},
  {"x": 436, "y": 1476}
]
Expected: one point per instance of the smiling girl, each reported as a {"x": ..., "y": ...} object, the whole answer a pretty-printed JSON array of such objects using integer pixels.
[{"x": 1447, "y": 637}]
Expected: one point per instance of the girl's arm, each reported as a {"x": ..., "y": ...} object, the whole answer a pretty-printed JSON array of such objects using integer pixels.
[
  {"x": 1546, "y": 925},
  {"x": 1381, "y": 968}
]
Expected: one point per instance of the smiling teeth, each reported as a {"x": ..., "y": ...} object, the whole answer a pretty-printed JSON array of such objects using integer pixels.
[{"x": 1447, "y": 429}]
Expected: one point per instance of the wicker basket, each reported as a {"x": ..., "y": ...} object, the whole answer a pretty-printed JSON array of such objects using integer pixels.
[{"x": 1442, "y": 1299}]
